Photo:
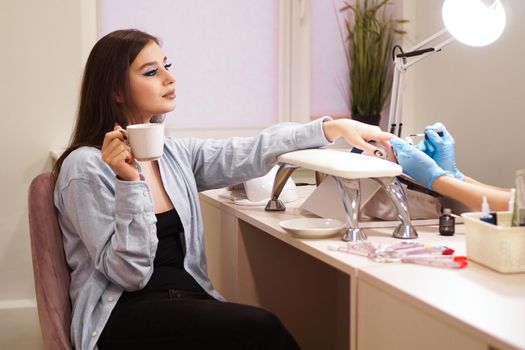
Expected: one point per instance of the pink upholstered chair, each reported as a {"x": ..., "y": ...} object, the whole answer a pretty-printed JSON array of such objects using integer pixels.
[{"x": 50, "y": 269}]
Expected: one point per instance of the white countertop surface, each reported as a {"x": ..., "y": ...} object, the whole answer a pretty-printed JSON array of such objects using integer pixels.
[{"x": 481, "y": 301}]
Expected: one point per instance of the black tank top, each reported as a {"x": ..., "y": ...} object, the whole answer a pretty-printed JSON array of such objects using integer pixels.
[{"x": 168, "y": 267}]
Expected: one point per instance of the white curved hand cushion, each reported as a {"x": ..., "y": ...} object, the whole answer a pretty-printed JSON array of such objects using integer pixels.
[{"x": 342, "y": 163}]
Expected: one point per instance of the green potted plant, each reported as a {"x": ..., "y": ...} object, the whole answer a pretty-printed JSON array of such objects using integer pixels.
[{"x": 370, "y": 35}]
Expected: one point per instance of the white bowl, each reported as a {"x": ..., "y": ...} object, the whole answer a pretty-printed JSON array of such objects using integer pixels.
[{"x": 313, "y": 227}]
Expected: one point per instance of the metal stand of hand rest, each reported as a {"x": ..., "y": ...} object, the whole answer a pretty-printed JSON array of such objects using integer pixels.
[
  {"x": 283, "y": 174},
  {"x": 351, "y": 196},
  {"x": 335, "y": 163},
  {"x": 395, "y": 191}
]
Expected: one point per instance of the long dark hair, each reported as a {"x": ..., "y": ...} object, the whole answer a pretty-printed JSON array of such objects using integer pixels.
[{"x": 105, "y": 76}]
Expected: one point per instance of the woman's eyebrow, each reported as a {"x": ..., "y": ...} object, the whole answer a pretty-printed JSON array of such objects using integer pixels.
[{"x": 152, "y": 63}]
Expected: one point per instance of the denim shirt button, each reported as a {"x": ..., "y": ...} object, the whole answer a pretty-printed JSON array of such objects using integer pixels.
[{"x": 94, "y": 334}]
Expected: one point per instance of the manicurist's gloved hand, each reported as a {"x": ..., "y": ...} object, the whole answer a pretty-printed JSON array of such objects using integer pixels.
[
  {"x": 416, "y": 163},
  {"x": 441, "y": 149}
]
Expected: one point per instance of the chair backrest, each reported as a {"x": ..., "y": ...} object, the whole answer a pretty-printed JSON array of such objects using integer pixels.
[{"x": 51, "y": 272}]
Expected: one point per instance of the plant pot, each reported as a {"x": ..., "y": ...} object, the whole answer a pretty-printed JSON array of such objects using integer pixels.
[{"x": 368, "y": 119}]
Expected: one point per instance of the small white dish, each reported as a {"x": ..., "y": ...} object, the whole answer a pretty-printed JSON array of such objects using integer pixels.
[{"x": 313, "y": 227}]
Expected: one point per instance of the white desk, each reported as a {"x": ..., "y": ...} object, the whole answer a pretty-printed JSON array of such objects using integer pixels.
[{"x": 333, "y": 300}]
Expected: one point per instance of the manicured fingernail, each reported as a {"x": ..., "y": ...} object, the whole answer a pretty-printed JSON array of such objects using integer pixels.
[{"x": 378, "y": 153}]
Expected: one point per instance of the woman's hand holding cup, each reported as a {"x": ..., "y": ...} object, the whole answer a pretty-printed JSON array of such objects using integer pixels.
[{"x": 118, "y": 155}]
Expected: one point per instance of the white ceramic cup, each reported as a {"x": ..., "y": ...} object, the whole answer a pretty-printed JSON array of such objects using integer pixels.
[{"x": 146, "y": 140}]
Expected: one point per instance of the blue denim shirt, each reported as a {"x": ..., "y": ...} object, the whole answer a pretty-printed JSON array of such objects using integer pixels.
[{"x": 109, "y": 227}]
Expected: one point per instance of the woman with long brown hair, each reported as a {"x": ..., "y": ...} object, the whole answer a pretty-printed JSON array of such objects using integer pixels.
[{"x": 133, "y": 230}]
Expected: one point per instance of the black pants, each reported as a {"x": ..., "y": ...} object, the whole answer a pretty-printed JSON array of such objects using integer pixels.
[{"x": 190, "y": 320}]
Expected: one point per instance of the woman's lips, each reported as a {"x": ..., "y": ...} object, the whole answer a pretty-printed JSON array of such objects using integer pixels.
[{"x": 170, "y": 94}]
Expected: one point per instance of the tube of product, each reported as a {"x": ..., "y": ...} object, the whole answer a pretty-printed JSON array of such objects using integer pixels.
[{"x": 518, "y": 215}]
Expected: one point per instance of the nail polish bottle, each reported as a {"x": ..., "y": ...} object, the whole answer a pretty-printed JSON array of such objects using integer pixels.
[
  {"x": 486, "y": 214},
  {"x": 447, "y": 223}
]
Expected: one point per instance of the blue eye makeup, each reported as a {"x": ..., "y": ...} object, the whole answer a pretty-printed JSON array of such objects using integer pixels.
[{"x": 151, "y": 72}]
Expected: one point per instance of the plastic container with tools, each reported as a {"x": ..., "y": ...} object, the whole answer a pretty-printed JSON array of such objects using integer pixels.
[{"x": 500, "y": 247}]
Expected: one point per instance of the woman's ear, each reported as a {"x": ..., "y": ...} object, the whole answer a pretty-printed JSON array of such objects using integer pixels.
[{"x": 118, "y": 97}]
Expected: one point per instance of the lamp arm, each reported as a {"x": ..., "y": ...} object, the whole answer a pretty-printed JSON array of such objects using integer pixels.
[
  {"x": 437, "y": 48},
  {"x": 429, "y": 39}
]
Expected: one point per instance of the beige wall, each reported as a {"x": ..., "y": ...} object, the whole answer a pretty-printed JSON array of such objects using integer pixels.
[
  {"x": 41, "y": 59},
  {"x": 478, "y": 93}
]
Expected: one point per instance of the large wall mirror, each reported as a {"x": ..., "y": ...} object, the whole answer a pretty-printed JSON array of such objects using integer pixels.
[{"x": 477, "y": 92}]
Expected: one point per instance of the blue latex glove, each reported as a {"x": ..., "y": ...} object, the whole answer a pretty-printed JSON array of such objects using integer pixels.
[
  {"x": 415, "y": 163},
  {"x": 441, "y": 149}
]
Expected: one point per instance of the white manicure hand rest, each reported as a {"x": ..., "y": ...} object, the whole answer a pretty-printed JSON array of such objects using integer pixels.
[{"x": 343, "y": 164}]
